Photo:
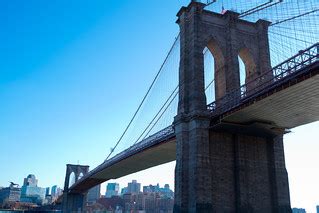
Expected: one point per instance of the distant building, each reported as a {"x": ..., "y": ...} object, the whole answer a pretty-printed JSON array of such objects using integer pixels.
[
  {"x": 124, "y": 191},
  {"x": 151, "y": 188},
  {"x": 165, "y": 204},
  {"x": 318, "y": 209},
  {"x": 298, "y": 210},
  {"x": 133, "y": 187},
  {"x": 94, "y": 194},
  {"x": 166, "y": 191},
  {"x": 112, "y": 189},
  {"x": 152, "y": 199},
  {"x": 48, "y": 199},
  {"x": 147, "y": 202},
  {"x": 139, "y": 200},
  {"x": 114, "y": 204},
  {"x": 60, "y": 191},
  {"x": 9, "y": 194},
  {"x": 30, "y": 180},
  {"x": 47, "y": 191},
  {"x": 30, "y": 192},
  {"x": 54, "y": 191},
  {"x": 128, "y": 202},
  {"x": 150, "y": 202}
]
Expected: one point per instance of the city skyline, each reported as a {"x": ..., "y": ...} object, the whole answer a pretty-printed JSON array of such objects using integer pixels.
[
  {"x": 57, "y": 81},
  {"x": 32, "y": 180}
]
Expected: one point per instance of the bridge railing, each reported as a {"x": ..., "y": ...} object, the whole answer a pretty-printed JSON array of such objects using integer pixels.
[
  {"x": 276, "y": 75},
  {"x": 149, "y": 141}
]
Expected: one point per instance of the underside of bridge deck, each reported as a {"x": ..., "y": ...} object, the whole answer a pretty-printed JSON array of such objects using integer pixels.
[
  {"x": 153, "y": 156},
  {"x": 289, "y": 105}
]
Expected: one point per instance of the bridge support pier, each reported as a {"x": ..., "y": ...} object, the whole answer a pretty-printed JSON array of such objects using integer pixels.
[
  {"x": 223, "y": 170},
  {"x": 229, "y": 171},
  {"x": 193, "y": 170},
  {"x": 249, "y": 173},
  {"x": 74, "y": 202}
]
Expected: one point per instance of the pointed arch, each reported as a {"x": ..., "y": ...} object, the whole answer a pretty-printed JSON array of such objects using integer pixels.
[
  {"x": 80, "y": 175},
  {"x": 71, "y": 179},
  {"x": 249, "y": 69},
  {"x": 218, "y": 69}
]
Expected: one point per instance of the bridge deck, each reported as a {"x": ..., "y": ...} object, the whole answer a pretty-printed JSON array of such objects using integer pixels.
[
  {"x": 159, "y": 152},
  {"x": 288, "y": 105}
]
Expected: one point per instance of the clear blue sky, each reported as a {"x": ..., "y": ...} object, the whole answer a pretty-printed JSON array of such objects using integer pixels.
[
  {"x": 73, "y": 72},
  {"x": 70, "y": 78}
]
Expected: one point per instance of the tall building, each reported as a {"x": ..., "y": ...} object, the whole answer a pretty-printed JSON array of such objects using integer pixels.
[
  {"x": 30, "y": 180},
  {"x": 30, "y": 192},
  {"x": 151, "y": 188},
  {"x": 123, "y": 191},
  {"x": 166, "y": 191},
  {"x": 47, "y": 191},
  {"x": 94, "y": 194},
  {"x": 150, "y": 202},
  {"x": 139, "y": 200},
  {"x": 54, "y": 191},
  {"x": 298, "y": 210},
  {"x": 9, "y": 194},
  {"x": 112, "y": 189},
  {"x": 318, "y": 209},
  {"x": 133, "y": 187},
  {"x": 165, "y": 204}
]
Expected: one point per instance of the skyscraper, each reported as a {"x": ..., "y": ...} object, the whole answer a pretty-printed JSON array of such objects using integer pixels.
[
  {"x": 123, "y": 191},
  {"x": 30, "y": 180},
  {"x": 318, "y": 209},
  {"x": 54, "y": 190},
  {"x": 166, "y": 191},
  {"x": 94, "y": 194},
  {"x": 47, "y": 191},
  {"x": 112, "y": 189},
  {"x": 30, "y": 192},
  {"x": 134, "y": 187}
]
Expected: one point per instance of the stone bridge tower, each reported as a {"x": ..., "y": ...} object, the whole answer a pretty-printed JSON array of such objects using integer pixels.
[
  {"x": 73, "y": 202},
  {"x": 224, "y": 170}
]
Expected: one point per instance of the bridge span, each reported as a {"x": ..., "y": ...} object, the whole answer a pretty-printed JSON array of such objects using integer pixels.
[
  {"x": 287, "y": 100},
  {"x": 229, "y": 153}
]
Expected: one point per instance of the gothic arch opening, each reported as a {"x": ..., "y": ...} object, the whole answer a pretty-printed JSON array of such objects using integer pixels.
[
  {"x": 214, "y": 64},
  {"x": 209, "y": 75},
  {"x": 71, "y": 179},
  {"x": 247, "y": 66},
  {"x": 242, "y": 71},
  {"x": 80, "y": 175}
]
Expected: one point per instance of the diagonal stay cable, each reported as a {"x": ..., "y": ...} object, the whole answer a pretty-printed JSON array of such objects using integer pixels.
[
  {"x": 171, "y": 101},
  {"x": 290, "y": 37},
  {"x": 295, "y": 17},
  {"x": 169, "y": 98},
  {"x": 165, "y": 111},
  {"x": 144, "y": 98}
]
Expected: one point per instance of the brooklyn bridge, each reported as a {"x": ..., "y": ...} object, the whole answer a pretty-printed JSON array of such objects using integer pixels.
[{"x": 239, "y": 75}]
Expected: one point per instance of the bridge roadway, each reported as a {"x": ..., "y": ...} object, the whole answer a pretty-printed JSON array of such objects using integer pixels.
[{"x": 290, "y": 99}]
